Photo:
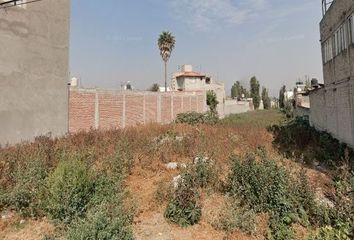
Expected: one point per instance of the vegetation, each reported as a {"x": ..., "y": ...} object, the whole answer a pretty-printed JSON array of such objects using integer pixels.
[
  {"x": 194, "y": 118},
  {"x": 282, "y": 97},
  {"x": 255, "y": 92},
  {"x": 155, "y": 87},
  {"x": 184, "y": 208},
  {"x": 258, "y": 119},
  {"x": 238, "y": 91},
  {"x": 92, "y": 185},
  {"x": 266, "y": 99},
  {"x": 212, "y": 101},
  {"x": 297, "y": 139},
  {"x": 166, "y": 44}
]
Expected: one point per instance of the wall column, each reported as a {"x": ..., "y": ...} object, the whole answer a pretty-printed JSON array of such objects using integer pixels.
[
  {"x": 97, "y": 110},
  {"x": 124, "y": 111}
]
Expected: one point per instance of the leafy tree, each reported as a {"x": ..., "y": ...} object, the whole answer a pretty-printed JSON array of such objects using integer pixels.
[
  {"x": 282, "y": 97},
  {"x": 166, "y": 43},
  {"x": 255, "y": 92},
  {"x": 155, "y": 87},
  {"x": 238, "y": 90},
  {"x": 266, "y": 98},
  {"x": 212, "y": 101}
]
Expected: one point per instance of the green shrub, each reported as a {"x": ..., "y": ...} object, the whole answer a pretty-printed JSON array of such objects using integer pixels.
[
  {"x": 68, "y": 191},
  {"x": 194, "y": 118},
  {"x": 204, "y": 172},
  {"x": 298, "y": 139},
  {"x": 341, "y": 232},
  {"x": 212, "y": 101},
  {"x": 261, "y": 184},
  {"x": 24, "y": 196},
  {"x": 184, "y": 208},
  {"x": 104, "y": 222},
  {"x": 120, "y": 163},
  {"x": 234, "y": 216},
  {"x": 268, "y": 187}
]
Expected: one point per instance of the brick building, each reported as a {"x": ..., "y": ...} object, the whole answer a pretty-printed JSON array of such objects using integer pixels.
[{"x": 332, "y": 107}]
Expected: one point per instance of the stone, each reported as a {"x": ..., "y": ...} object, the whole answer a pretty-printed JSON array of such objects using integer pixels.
[
  {"x": 172, "y": 166},
  {"x": 176, "y": 180}
]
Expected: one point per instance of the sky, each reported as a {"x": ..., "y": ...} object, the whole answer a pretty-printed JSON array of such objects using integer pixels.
[{"x": 114, "y": 41}]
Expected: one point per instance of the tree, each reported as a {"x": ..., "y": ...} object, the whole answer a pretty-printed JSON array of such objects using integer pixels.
[
  {"x": 255, "y": 92},
  {"x": 166, "y": 44},
  {"x": 236, "y": 90},
  {"x": 282, "y": 97},
  {"x": 155, "y": 87},
  {"x": 212, "y": 101},
  {"x": 266, "y": 99}
]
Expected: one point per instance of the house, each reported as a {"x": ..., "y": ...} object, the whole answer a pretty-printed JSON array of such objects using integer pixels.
[
  {"x": 188, "y": 80},
  {"x": 34, "y": 69},
  {"x": 332, "y": 106}
]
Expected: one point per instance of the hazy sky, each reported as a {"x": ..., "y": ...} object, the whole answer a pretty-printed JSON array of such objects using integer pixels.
[{"x": 116, "y": 40}]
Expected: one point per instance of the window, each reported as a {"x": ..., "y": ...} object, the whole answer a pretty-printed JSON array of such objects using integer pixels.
[
  {"x": 340, "y": 40},
  {"x": 328, "y": 50}
]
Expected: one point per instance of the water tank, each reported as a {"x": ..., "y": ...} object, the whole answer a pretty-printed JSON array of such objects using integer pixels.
[
  {"x": 74, "y": 82},
  {"x": 314, "y": 82}
]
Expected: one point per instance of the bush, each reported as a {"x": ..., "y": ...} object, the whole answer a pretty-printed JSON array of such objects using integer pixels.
[
  {"x": 234, "y": 216},
  {"x": 194, "y": 118},
  {"x": 298, "y": 139},
  {"x": 24, "y": 196},
  {"x": 104, "y": 222},
  {"x": 204, "y": 172},
  {"x": 341, "y": 232},
  {"x": 184, "y": 208},
  {"x": 267, "y": 187},
  {"x": 69, "y": 190}
]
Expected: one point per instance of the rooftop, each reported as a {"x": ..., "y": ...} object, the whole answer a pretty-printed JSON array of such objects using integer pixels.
[{"x": 191, "y": 74}]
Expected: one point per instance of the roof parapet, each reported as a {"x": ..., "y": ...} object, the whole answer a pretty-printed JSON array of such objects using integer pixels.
[{"x": 326, "y": 4}]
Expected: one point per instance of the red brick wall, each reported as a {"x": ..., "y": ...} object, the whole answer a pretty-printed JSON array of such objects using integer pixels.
[
  {"x": 134, "y": 109},
  {"x": 111, "y": 109},
  {"x": 81, "y": 110}
]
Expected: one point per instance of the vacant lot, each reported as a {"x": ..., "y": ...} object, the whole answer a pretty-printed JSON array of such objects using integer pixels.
[{"x": 237, "y": 179}]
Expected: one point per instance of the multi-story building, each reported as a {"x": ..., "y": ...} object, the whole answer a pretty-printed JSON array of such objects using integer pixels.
[
  {"x": 34, "y": 56},
  {"x": 188, "y": 80},
  {"x": 332, "y": 107}
]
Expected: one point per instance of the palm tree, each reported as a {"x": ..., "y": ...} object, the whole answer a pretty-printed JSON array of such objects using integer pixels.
[{"x": 166, "y": 45}]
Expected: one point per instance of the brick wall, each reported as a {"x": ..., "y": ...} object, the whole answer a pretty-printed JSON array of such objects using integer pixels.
[{"x": 100, "y": 109}]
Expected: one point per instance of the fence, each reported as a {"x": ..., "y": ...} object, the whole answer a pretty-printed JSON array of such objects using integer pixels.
[{"x": 103, "y": 109}]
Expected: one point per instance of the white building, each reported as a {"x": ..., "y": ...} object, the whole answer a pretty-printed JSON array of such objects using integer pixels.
[{"x": 189, "y": 80}]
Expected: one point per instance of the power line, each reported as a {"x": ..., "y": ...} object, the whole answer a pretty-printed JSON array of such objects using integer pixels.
[{"x": 15, "y": 3}]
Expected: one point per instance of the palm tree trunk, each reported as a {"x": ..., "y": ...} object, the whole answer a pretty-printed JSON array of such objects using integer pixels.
[{"x": 165, "y": 76}]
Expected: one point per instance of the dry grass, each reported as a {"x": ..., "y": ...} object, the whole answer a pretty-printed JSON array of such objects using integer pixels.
[{"x": 153, "y": 146}]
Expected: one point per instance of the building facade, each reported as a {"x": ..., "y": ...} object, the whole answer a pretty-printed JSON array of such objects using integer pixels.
[
  {"x": 188, "y": 80},
  {"x": 34, "y": 55},
  {"x": 332, "y": 107}
]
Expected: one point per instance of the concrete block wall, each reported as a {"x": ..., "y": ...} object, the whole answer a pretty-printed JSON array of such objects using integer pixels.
[
  {"x": 332, "y": 110},
  {"x": 101, "y": 109},
  {"x": 34, "y": 53},
  {"x": 235, "y": 107}
]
